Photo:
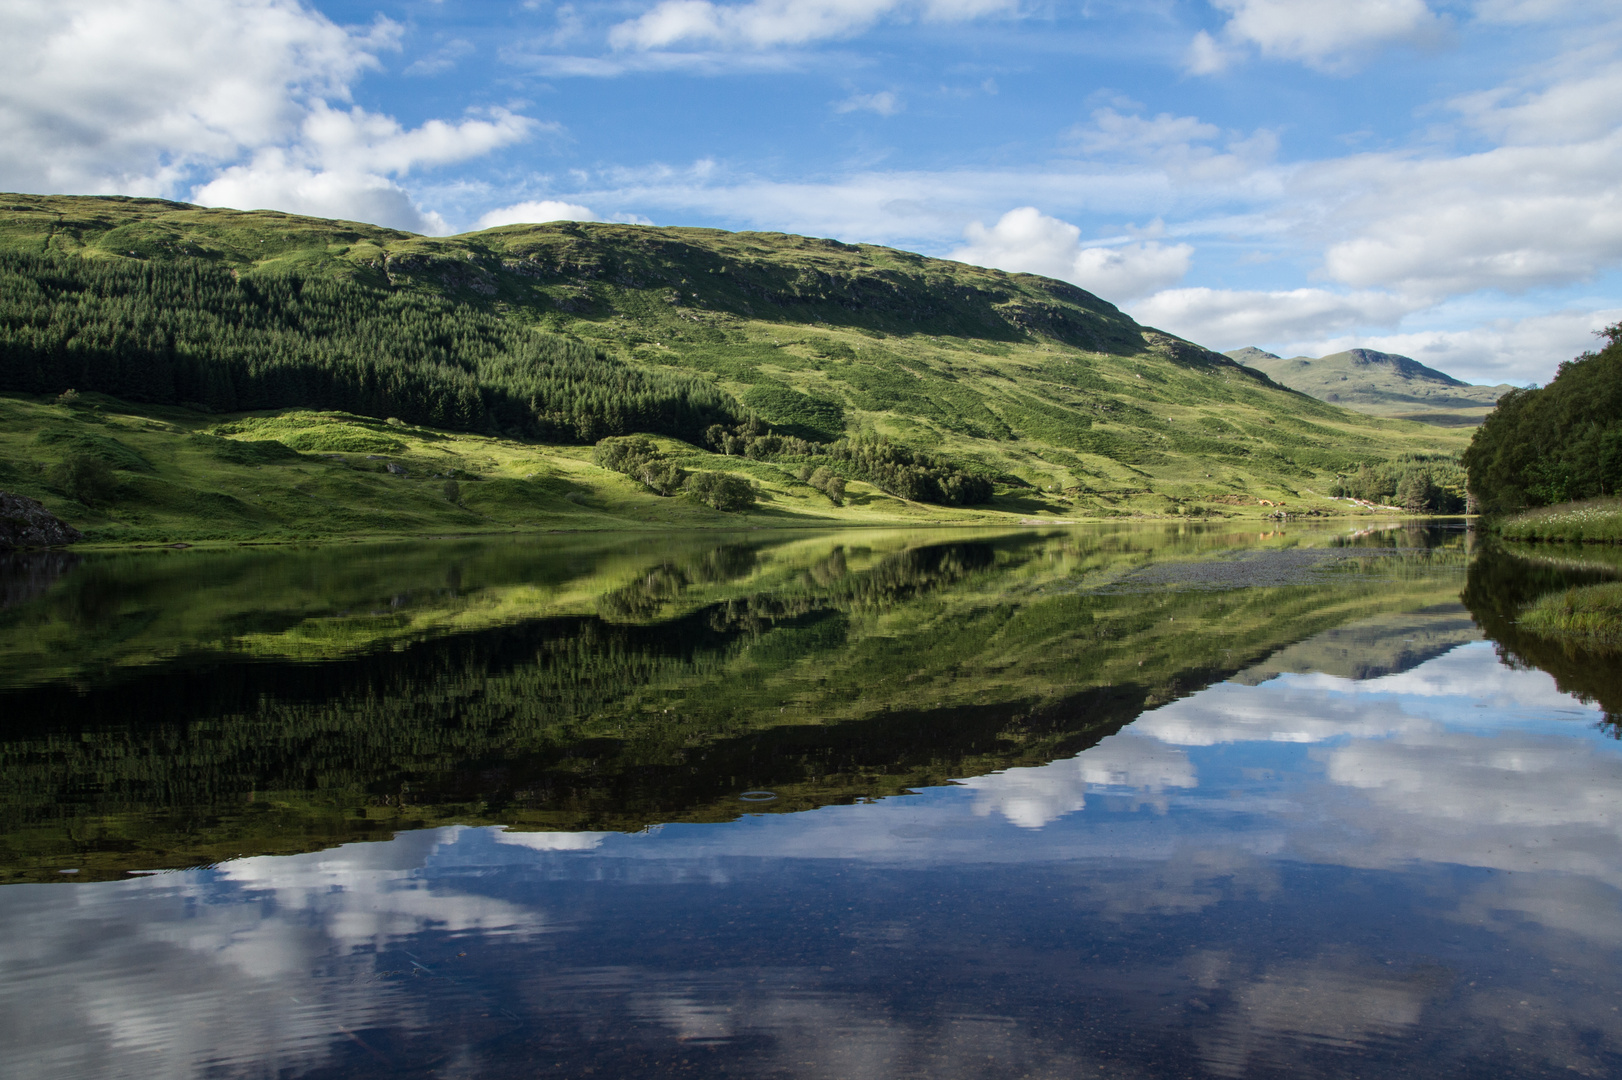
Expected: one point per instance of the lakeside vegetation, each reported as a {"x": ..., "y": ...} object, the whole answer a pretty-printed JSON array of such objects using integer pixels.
[
  {"x": 1591, "y": 614},
  {"x": 928, "y": 381},
  {"x": 1561, "y": 443},
  {"x": 1593, "y": 521}
]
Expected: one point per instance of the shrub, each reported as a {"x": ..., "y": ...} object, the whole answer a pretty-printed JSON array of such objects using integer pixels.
[
  {"x": 723, "y": 491},
  {"x": 84, "y": 477},
  {"x": 638, "y": 458},
  {"x": 624, "y": 454},
  {"x": 662, "y": 477}
]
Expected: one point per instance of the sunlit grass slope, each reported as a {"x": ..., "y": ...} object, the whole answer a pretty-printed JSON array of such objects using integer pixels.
[
  {"x": 1068, "y": 402},
  {"x": 185, "y": 476}
]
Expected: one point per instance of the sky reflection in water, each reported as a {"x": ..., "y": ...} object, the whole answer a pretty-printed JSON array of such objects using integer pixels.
[{"x": 1415, "y": 874}]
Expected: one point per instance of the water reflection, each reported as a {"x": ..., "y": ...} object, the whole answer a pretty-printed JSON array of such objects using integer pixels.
[
  {"x": 1281, "y": 878},
  {"x": 1315, "y": 826},
  {"x": 273, "y": 702}
]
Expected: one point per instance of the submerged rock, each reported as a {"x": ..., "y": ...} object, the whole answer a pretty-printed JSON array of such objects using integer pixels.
[{"x": 24, "y": 523}]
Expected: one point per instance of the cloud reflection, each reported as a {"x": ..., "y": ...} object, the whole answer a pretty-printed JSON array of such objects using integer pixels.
[
  {"x": 257, "y": 964},
  {"x": 1126, "y": 762}
]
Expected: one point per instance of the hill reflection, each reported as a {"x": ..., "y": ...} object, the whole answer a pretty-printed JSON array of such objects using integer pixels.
[{"x": 175, "y": 709}]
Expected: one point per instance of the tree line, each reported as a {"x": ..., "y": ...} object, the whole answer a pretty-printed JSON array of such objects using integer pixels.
[
  {"x": 1431, "y": 483},
  {"x": 1556, "y": 444},
  {"x": 896, "y": 470},
  {"x": 189, "y": 333}
]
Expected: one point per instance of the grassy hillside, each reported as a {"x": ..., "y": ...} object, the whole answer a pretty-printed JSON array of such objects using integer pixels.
[
  {"x": 1063, "y": 401},
  {"x": 1379, "y": 384},
  {"x": 178, "y": 475}
]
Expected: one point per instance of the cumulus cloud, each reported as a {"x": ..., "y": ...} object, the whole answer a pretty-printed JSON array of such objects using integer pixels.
[
  {"x": 535, "y": 212},
  {"x": 273, "y": 180},
  {"x": 1233, "y": 318},
  {"x": 770, "y": 23},
  {"x": 1511, "y": 218},
  {"x": 1329, "y": 37},
  {"x": 1206, "y": 56},
  {"x": 134, "y": 96},
  {"x": 224, "y": 101},
  {"x": 1026, "y": 240}
]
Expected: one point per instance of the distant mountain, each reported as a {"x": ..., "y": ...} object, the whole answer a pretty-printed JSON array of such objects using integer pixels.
[{"x": 1379, "y": 384}]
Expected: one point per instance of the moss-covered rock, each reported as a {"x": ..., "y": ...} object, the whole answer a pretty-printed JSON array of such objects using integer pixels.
[{"x": 24, "y": 523}]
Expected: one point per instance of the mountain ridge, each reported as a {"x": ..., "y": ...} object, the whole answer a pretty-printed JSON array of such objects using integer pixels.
[{"x": 1378, "y": 384}]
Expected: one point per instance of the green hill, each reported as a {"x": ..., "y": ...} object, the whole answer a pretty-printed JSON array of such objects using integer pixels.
[
  {"x": 926, "y": 380},
  {"x": 1379, "y": 384}
]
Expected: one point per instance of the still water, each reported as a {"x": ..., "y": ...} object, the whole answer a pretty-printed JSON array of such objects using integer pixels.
[{"x": 1094, "y": 802}]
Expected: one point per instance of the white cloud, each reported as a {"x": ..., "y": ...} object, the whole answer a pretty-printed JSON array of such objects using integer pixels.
[
  {"x": 885, "y": 103},
  {"x": 1206, "y": 56},
  {"x": 226, "y": 101},
  {"x": 1327, "y": 36},
  {"x": 132, "y": 97},
  {"x": 1178, "y": 144},
  {"x": 342, "y": 164},
  {"x": 1580, "y": 108},
  {"x": 764, "y": 24},
  {"x": 356, "y": 139},
  {"x": 1113, "y": 131},
  {"x": 1232, "y": 318},
  {"x": 271, "y": 181},
  {"x": 1512, "y": 218},
  {"x": 535, "y": 212},
  {"x": 1026, "y": 240}
]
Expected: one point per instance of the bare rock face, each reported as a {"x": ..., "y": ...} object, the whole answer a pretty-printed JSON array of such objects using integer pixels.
[{"x": 24, "y": 523}]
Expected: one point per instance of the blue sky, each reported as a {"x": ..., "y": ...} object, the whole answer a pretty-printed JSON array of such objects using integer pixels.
[{"x": 1433, "y": 178}]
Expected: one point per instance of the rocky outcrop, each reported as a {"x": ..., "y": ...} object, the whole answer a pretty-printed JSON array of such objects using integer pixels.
[{"x": 24, "y": 523}]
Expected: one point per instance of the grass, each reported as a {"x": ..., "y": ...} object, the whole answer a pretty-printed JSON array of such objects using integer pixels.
[
  {"x": 1076, "y": 409},
  {"x": 1591, "y": 615},
  {"x": 1594, "y": 521},
  {"x": 190, "y": 477}
]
